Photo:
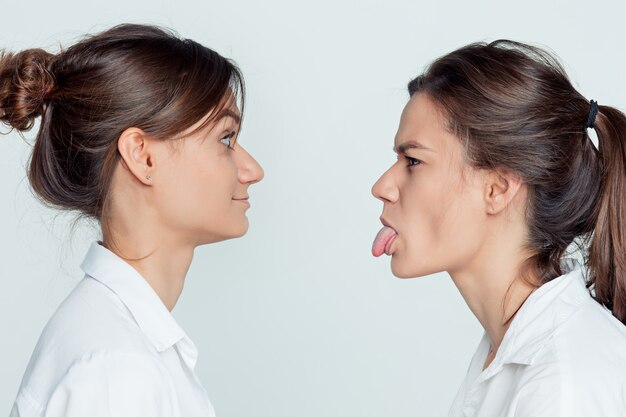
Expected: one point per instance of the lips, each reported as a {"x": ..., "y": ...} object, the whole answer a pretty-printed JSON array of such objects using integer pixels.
[{"x": 243, "y": 200}]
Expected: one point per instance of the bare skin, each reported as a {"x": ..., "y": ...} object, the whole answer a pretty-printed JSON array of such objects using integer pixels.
[
  {"x": 451, "y": 217},
  {"x": 169, "y": 196}
]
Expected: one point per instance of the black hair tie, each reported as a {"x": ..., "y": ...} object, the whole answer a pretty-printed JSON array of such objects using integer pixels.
[{"x": 593, "y": 111}]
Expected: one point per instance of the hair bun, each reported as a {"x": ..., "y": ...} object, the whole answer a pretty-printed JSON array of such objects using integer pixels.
[{"x": 25, "y": 84}]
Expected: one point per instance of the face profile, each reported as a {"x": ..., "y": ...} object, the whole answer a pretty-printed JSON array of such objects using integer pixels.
[
  {"x": 199, "y": 180},
  {"x": 433, "y": 212}
]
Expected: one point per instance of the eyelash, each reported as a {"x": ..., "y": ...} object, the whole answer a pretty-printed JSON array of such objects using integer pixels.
[
  {"x": 412, "y": 161},
  {"x": 228, "y": 137}
]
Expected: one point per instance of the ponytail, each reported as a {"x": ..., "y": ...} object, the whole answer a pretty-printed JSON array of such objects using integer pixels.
[{"x": 607, "y": 251}]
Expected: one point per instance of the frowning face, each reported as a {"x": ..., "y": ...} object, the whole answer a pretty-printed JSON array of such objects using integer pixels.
[{"x": 433, "y": 202}]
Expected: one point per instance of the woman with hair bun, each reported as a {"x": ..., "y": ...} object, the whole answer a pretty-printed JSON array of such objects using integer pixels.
[
  {"x": 139, "y": 132},
  {"x": 496, "y": 177}
]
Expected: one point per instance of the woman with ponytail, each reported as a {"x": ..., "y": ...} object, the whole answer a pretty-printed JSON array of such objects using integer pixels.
[
  {"x": 497, "y": 182},
  {"x": 138, "y": 131}
]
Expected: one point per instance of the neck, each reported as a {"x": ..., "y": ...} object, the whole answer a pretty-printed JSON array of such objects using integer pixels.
[
  {"x": 491, "y": 285},
  {"x": 162, "y": 262},
  {"x": 136, "y": 232}
]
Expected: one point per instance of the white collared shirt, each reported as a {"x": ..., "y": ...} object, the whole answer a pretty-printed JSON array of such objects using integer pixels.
[
  {"x": 564, "y": 355},
  {"x": 112, "y": 349}
]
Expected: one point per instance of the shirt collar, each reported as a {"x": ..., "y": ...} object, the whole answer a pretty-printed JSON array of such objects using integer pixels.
[
  {"x": 540, "y": 316},
  {"x": 151, "y": 315}
]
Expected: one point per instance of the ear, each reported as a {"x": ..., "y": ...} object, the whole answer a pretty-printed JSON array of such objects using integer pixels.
[
  {"x": 501, "y": 187},
  {"x": 137, "y": 154}
]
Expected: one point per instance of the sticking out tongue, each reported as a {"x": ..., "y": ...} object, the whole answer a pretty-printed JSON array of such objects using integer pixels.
[{"x": 383, "y": 241}]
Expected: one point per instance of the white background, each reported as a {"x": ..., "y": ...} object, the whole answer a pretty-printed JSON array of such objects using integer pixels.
[{"x": 297, "y": 319}]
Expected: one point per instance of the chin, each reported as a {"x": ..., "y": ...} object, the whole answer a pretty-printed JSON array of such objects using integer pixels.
[
  {"x": 209, "y": 237},
  {"x": 399, "y": 273},
  {"x": 238, "y": 231},
  {"x": 400, "y": 269},
  {"x": 244, "y": 226}
]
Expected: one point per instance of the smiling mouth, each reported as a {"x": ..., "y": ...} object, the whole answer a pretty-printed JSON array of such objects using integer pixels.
[{"x": 243, "y": 201}]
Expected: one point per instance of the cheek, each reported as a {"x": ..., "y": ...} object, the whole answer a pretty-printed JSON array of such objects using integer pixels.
[
  {"x": 198, "y": 189},
  {"x": 212, "y": 185},
  {"x": 443, "y": 228},
  {"x": 424, "y": 208},
  {"x": 461, "y": 223}
]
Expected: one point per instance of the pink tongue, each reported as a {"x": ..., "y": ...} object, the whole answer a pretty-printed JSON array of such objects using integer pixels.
[{"x": 383, "y": 237}]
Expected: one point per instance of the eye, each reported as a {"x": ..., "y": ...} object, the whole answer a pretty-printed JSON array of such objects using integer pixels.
[
  {"x": 228, "y": 140},
  {"x": 412, "y": 161}
]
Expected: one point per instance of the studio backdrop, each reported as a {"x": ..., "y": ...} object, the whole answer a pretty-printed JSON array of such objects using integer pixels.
[{"x": 297, "y": 319}]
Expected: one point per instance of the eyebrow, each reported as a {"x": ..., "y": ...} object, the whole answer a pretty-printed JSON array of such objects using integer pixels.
[
  {"x": 411, "y": 145},
  {"x": 229, "y": 113},
  {"x": 211, "y": 122}
]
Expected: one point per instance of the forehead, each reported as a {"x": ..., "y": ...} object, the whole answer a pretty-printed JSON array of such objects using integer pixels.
[
  {"x": 422, "y": 122},
  {"x": 216, "y": 118}
]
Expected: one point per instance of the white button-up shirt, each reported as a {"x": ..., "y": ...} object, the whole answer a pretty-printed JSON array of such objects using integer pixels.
[
  {"x": 112, "y": 349},
  {"x": 564, "y": 355}
]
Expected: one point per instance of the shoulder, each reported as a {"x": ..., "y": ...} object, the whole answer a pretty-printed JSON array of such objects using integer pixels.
[
  {"x": 592, "y": 343},
  {"x": 91, "y": 318},
  {"x": 112, "y": 383},
  {"x": 550, "y": 393},
  {"x": 580, "y": 371},
  {"x": 107, "y": 383},
  {"x": 91, "y": 329}
]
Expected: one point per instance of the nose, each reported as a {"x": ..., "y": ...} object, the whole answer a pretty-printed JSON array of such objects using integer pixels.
[
  {"x": 248, "y": 169},
  {"x": 385, "y": 189}
]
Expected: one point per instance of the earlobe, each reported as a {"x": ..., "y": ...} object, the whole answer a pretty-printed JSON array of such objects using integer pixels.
[{"x": 136, "y": 153}]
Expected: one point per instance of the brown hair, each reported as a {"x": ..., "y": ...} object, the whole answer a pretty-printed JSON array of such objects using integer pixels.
[
  {"x": 513, "y": 108},
  {"x": 87, "y": 95}
]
